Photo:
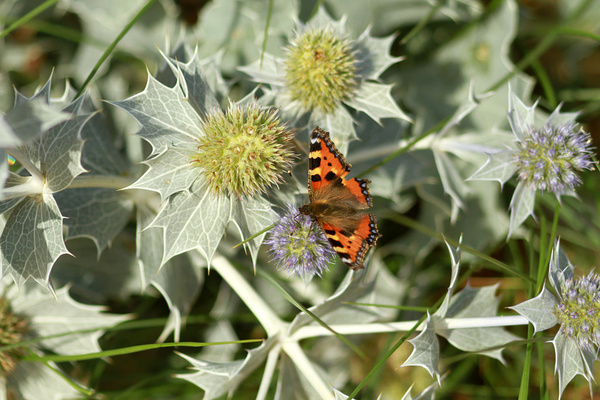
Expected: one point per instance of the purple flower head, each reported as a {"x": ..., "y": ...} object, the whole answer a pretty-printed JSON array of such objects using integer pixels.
[
  {"x": 548, "y": 158},
  {"x": 298, "y": 245},
  {"x": 577, "y": 311}
]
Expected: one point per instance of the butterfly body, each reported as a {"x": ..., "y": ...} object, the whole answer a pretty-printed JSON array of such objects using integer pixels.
[{"x": 338, "y": 205}]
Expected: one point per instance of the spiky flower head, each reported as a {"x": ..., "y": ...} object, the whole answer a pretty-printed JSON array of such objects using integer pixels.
[
  {"x": 299, "y": 246},
  {"x": 244, "y": 150},
  {"x": 12, "y": 329},
  {"x": 320, "y": 69},
  {"x": 578, "y": 311},
  {"x": 549, "y": 158}
]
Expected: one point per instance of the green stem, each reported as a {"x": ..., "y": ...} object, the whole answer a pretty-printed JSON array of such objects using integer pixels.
[
  {"x": 113, "y": 45},
  {"x": 28, "y": 17}
]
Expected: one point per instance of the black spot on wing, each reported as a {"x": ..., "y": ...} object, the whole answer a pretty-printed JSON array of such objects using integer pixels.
[
  {"x": 314, "y": 162},
  {"x": 335, "y": 243},
  {"x": 331, "y": 176}
]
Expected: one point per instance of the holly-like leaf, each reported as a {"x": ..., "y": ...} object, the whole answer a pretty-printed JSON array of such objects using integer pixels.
[
  {"x": 50, "y": 316},
  {"x": 100, "y": 155},
  {"x": 476, "y": 303},
  {"x": 571, "y": 361},
  {"x": 28, "y": 121},
  {"x": 113, "y": 275},
  {"x": 379, "y": 287},
  {"x": 57, "y": 154},
  {"x": 521, "y": 206},
  {"x": 521, "y": 117},
  {"x": 377, "y": 52},
  {"x": 166, "y": 117},
  {"x": 169, "y": 172},
  {"x": 251, "y": 216},
  {"x": 426, "y": 352},
  {"x": 338, "y": 123},
  {"x": 560, "y": 268},
  {"x": 266, "y": 70},
  {"x": 539, "y": 310},
  {"x": 32, "y": 240},
  {"x": 179, "y": 282},
  {"x": 97, "y": 213},
  {"x": 194, "y": 85},
  {"x": 453, "y": 184},
  {"x": 194, "y": 219},
  {"x": 218, "y": 379},
  {"x": 375, "y": 100},
  {"x": 499, "y": 167},
  {"x": 455, "y": 255}
]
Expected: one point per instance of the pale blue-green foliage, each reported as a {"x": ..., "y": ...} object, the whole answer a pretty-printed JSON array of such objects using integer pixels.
[
  {"x": 31, "y": 240},
  {"x": 468, "y": 303},
  {"x": 181, "y": 227},
  {"x": 76, "y": 328}
]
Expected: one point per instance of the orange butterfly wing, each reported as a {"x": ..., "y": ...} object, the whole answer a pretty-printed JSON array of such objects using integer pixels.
[{"x": 337, "y": 204}]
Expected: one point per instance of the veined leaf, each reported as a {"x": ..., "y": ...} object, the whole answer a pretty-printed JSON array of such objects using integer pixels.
[
  {"x": 251, "y": 216},
  {"x": 571, "y": 361},
  {"x": 179, "y": 282},
  {"x": 375, "y": 100},
  {"x": 57, "y": 154},
  {"x": 474, "y": 303},
  {"x": 539, "y": 310},
  {"x": 97, "y": 213},
  {"x": 426, "y": 352},
  {"x": 521, "y": 206},
  {"x": 51, "y": 316},
  {"x": 169, "y": 172},
  {"x": 28, "y": 121},
  {"x": 193, "y": 219},
  {"x": 499, "y": 167},
  {"x": 377, "y": 52},
  {"x": 32, "y": 240},
  {"x": 217, "y": 379},
  {"x": 166, "y": 117}
]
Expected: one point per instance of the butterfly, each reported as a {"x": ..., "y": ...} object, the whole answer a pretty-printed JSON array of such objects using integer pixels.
[{"x": 338, "y": 205}]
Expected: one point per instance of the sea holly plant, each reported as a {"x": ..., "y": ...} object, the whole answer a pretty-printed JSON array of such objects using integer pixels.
[
  {"x": 209, "y": 165},
  {"x": 469, "y": 320},
  {"x": 575, "y": 308},
  {"x": 34, "y": 322},
  {"x": 546, "y": 155},
  {"x": 468, "y": 303},
  {"x": 48, "y": 165},
  {"x": 323, "y": 70}
]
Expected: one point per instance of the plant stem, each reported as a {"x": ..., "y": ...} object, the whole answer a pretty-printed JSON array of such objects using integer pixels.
[
  {"x": 444, "y": 324},
  {"x": 265, "y": 314}
]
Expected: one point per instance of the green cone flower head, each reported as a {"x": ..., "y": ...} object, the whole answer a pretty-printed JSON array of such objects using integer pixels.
[
  {"x": 324, "y": 71},
  {"x": 320, "y": 69},
  {"x": 244, "y": 150},
  {"x": 579, "y": 311},
  {"x": 12, "y": 329}
]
